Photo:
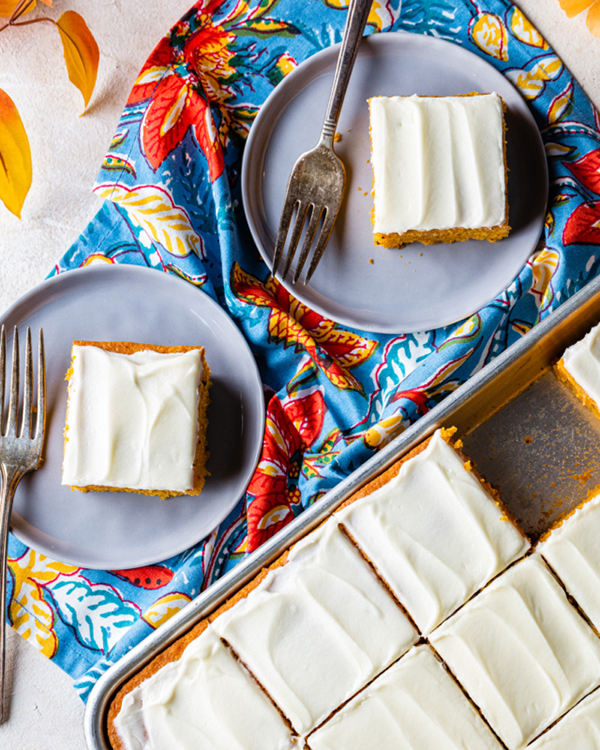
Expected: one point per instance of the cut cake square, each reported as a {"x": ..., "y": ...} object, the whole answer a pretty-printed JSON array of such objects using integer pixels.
[
  {"x": 573, "y": 552},
  {"x": 204, "y": 700},
  {"x": 521, "y": 651},
  {"x": 577, "y": 730},
  {"x": 433, "y": 531},
  {"x": 415, "y": 704},
  {"x": 439, "y": 169},
  {"x": 316, "y": 629},
  {"x": 136, "y": 418},
  {"x": 579, "y": 367}
]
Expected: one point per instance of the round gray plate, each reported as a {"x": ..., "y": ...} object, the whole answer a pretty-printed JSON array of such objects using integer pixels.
[
  {"x": 114, "y": 530},
  {"x": 419, "y": 287}
]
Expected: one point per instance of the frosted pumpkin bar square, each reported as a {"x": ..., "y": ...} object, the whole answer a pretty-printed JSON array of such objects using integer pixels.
[
  {"x": 136, "y": 418},
  {"x": 433, "y": 531},
  {"x": 204, "y": 700},
  {"x": 521, "y": 651},
  {"x": 415, "y": 704},
  {"x": 439, "y": 169},
  {"x": 317, "y": 629},
  {"x": 573, "y": 552},
  {"x": 578, "y": 730},
  {"x": 579, "y": 368}
]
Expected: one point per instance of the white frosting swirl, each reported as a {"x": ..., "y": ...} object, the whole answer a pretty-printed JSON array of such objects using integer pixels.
[
  {"x": 573, "y": 552},
  {"x": 132, "y": 419},
  {"x": 582, "y": 362},
  {"x": 578, "y": 730},
  {"x": 203, "y": 701},
  {"x": 434, "y": 534},
  {"x": 317, "y": 629},
  {"x": 415, "y": 705},
  {"x": 521, "y": 651},
  {"x": 438, "y": 162}
]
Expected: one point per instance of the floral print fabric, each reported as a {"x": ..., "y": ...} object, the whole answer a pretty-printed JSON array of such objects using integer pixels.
[{"x": 334, "y": 395}]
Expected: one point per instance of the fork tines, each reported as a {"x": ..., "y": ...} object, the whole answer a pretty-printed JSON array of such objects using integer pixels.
[
  {"x": 13, "y": 407},
  {"x": 316, "y": 216}
]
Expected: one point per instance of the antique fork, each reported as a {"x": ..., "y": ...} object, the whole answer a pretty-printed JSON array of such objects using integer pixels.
[
  {"x": 19, "y": 453},
  {"x": 318, "y": 179}
]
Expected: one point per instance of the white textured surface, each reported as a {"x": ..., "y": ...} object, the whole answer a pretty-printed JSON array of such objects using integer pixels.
[{"x": 67, "y": 150}]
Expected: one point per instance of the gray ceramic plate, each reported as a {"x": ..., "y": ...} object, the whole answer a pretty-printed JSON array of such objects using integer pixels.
[
  {"x": 114, "y": 530},
  {"x": 417, "y": 288}
]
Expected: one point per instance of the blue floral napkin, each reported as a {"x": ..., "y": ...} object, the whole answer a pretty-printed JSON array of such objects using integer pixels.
[{"x": 171, "y": 184}]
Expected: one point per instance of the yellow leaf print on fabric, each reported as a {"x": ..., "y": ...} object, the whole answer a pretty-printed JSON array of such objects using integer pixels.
[
  {"x": 153, "y": 209},
  {"x": 489, "y": 33},
  {"x": 531, "y": 83},
  {"x": 384, "y": 431},
  {"x": 525, "y": 32},
  {"x": 30, "y": 615},
  {"x": 543, "y": 267},
  {"x": 381, "y": 15},
  {"x": 164, "y": 608},
  {"x": 561, "y": 105}
]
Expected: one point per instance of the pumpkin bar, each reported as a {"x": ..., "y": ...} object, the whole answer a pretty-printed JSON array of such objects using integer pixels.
[
  {"x": 573, "y": 552},
  {"x": 579, "y": 368},
  {"x": 434, "y": 531},
  {"x": 136, "y": 418},
  {"x": 439, "y": 169},
  {"x": 415, "y": 704},
  {"x": 521, "y": 651}
]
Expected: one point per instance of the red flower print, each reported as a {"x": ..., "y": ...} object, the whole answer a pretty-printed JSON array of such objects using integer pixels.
[
  {"x": 583, "y": 225},
  {"x": 273, "y": 490},
  {"x": 587, "y": 170}
]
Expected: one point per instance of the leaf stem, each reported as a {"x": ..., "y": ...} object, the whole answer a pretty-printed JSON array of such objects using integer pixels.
[
  {"x": 21, "y": 8},
  {"x": 33, "y": 20}
]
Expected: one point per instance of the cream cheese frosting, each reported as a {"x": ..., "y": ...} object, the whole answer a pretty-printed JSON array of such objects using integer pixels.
[
  {"x": 203, "y": 701},
  {"x": 414, "y": 705},
  {"x": 318, "y": 628},
  {"x": 578, "y": 730},
  {"x": 132, "y": 419},
  {"x": 433, "y": 533},
  {"x": 521, "y": 651},
  {"x": 573, "y": 552},
  {"x": 582, "y": 362},
  {"x": 438, "y": 162}
]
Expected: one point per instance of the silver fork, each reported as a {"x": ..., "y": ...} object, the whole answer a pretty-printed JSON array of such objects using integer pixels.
[
  {"x": 20, "y": 452},
  {"x": 318, "y": 180}
]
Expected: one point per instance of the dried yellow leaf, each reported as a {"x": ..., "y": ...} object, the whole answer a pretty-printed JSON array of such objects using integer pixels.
[
  {"x": 81, "y": 52},
  {"x": 593, "y": 19},
  {"x": 15, "y": 157},
  {"x": 574, "y": 7},
  {"x": 7, "y": 7}
]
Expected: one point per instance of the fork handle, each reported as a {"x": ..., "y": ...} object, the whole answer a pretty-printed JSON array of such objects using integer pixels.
[
  {"x": 356, "y": 20},
  {"x": 11, "y": 476}
]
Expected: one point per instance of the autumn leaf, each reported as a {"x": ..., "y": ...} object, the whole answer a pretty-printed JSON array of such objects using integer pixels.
[
  {"x": 574, "y": 7},
  {"x": 8, "y": 7},
  {"x": 15, "y": 157},
  {"x": 81, "y": 52}
]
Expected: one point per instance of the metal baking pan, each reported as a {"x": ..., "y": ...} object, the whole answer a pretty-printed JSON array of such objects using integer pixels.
[{"x": 526, "y": 432}]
